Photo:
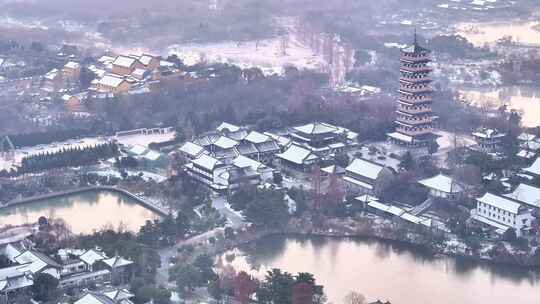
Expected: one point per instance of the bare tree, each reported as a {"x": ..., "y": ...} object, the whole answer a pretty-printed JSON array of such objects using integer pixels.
[{"x": 354, "y": 297}]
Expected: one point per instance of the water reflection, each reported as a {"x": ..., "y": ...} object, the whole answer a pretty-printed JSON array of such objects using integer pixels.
[
  {"x": 83, "y": 212},
  {"x": 525, "y": 99},
  {"x": 486, "y": 33},
  {"x": 397, "y": 272}
]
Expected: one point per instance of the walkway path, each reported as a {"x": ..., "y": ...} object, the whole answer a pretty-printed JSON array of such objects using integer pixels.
[{"x": 234, "y": 219}]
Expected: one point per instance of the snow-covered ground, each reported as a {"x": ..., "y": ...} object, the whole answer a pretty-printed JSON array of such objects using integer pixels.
[
  {"x": 146, "y": 175},
  {"x": 144, "y": 140},
  {"x": 50, "y": 148},
  {"x": 128, "y": 141},
  {"x": 265, "y": 54},
  {"x": 448, "y": 140}
]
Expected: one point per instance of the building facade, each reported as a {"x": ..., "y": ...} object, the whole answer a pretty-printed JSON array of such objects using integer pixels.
[
  {"x": 443, "y": 187},
  {"x": 414, "y": 116},
  {"x": 365, "y": 177},
  {"x": 502, "y": 213},
  {"x": 489, "y": 140}
]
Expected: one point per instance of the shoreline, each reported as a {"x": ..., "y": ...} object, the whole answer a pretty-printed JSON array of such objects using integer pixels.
[
  {"x": 432, "y": 253},
  {"x": 36, "y": 198},
  {"x": 287, "y": 231},
  {"x": 436, "y": 254}
]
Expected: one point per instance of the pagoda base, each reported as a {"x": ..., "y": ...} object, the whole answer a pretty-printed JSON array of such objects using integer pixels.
[{"x": 405, "y": 140}]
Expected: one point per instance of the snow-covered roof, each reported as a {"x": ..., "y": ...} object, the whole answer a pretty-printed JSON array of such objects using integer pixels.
[
  {"x": 246, "y": 149},
  {"x": 364, "y": 168},
  {"x": 225, "y": 142},
  {"x": 164, "y": 63},
  {"x": 401, "y": 137},
  {"x": 243, "y": 162},
  {"x": 526, "y": 137},
  {"x": 118, "y": 294},
  {"x": 525, "y": 154},
  {"x": 281, "y": 140},
  {"x": 534, "y": 168},
  {"x": 500, "y": 202},
  {"x": 297, "y": 154},
  {"x": 366, "y": 198},
  {"x": 152, "y": 155},
  {"x": 66, "y": 97},
  {"x": 396, "y": 211},
  {"x": 11, "y": 250},
  {"x": 14, "y": 277},
  {"x": 124, "y": 61},
  {"x": 316, "y": 128},
  {"x": 527, "y": 194},
  {"x": 226, "y": 175},
  {"x": 227, "y": 126},
  {"x": 441, "y": 183},
  {"x": 333, "y": 169},
  {"x": 207, "y": 162},
  {"x": 191, "y": 149},
  {"x": 256, "y": 137},
  {"x": 106, "y": 59},
  {"x": 416, "y": 219},
  {"x": 145, "y": 59},
  {"x": 51, "y": 75},
  {"x": 36, "y": 261},
  {"x": 99, "y": 72},
  {"x": 92, "y": 256},
  {"x": 110, "y": 81},
  {"x": 415, "y": 47},
  {"x": 138, "y": 73},
  {"x": 488, "y": 134},
  {"x": 533, "y": 145},
  {"x": 72, "y": 65},
  {"x": 137, "y": 150},
  {"x": 357, "y": 182},
  {"x": 94, "y": 298},
  {"x": 377, "y": 205},
  {"x": 117, "y": 261}
]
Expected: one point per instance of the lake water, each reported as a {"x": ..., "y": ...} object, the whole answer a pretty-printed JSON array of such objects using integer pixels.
[
  {"x": 480, "y": 34},
  {"x": 83, "y": 212},
  {"x": 523, "y": 98},
  {"x": 387, "y": 271}
]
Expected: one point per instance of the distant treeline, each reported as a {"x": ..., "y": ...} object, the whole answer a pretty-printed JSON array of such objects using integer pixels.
[
  {"x": 71, "y": 157},
  {"x": 41, "y": 138}
]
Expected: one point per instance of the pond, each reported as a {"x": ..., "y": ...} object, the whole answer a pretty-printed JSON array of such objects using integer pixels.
[
  {"x": 526, "y": 99},
  {"x": 480, "y": 34},
  {"x": 386, "y": 271},
  {"x": 83, "y": 212}
]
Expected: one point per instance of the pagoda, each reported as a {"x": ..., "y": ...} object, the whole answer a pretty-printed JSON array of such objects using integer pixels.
[{"x": 414, "y": 116}]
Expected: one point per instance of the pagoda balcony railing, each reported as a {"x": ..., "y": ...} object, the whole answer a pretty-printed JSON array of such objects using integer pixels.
[
  {"x": 415, "y": 99},
  {"x": 420, "y": 69},
  {"x": 415, "y": 110},
  {"x": 414, "y": 131},
  {"x": 422, "y": 89},
  {"x": 412, "y": 57},
  {"x": 415, "y": 80},
  {"x": 414, "y": 120}
]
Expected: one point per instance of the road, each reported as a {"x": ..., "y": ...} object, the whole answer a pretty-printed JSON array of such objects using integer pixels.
[{"x": 234, "y": 220}]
